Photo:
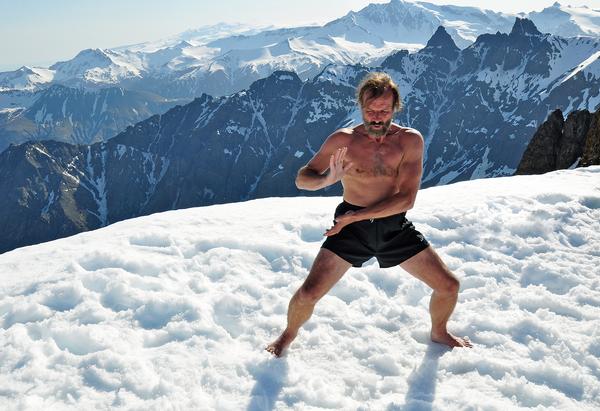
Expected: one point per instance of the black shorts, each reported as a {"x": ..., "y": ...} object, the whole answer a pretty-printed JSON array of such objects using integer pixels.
[{"x": 392, "y": 240}]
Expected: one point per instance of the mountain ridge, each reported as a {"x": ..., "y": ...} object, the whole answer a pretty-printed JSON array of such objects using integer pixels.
[
  {"x": 375, "y": 24},
  {"x": 477, "y": 109}
]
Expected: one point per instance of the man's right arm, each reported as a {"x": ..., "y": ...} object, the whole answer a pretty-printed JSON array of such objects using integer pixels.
[
  {"x": 310, "y": 179},
  {"x": 326, "y": 167}
]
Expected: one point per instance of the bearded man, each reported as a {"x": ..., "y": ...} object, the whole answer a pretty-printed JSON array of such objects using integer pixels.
[{"x": 380, "y": 165}]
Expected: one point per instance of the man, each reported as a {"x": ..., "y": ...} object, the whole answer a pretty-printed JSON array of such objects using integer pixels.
[{"x": 379, "y": 164}]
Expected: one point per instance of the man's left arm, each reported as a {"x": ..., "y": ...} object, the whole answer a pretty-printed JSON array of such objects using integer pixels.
[{"x": 408, "y": 182}]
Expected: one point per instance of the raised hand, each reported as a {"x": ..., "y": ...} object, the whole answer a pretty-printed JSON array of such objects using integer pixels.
[{"x": 337, "y": 169}]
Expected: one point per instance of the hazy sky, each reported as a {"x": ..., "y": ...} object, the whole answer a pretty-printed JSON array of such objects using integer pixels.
[{"x": 42, "y": 32}]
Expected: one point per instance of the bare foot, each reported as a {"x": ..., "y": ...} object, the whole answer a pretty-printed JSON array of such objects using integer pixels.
[
  {"x": 451, "y": 340},
  {"x": 279, "y": 345}
]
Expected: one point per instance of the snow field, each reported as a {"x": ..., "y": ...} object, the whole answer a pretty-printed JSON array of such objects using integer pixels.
[{"x": 173, "y": 310}]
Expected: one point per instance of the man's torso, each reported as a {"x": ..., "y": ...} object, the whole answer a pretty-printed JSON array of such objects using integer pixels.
[{"x": 374, "y": 173}]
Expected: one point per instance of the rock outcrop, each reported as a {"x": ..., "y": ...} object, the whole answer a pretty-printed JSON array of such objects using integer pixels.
[{"x": 560, "y": 144}]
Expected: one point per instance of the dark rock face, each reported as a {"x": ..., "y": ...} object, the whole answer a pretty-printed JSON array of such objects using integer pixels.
[
  {"x": 591, "y": 149},
  {"x": 541, "y": 153},
  {"x": 560, "y": 144},
  {"x": 42, "y": 198},
  {"x": 575, "y": 130}
]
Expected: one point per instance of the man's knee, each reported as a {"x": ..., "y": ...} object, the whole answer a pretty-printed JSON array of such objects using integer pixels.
[
  {"x": 449, "y": 285},
  {"x": 308, "y": 294}
]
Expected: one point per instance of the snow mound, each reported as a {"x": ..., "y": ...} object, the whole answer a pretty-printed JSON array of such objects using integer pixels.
[{"x": 173, "y": 310}]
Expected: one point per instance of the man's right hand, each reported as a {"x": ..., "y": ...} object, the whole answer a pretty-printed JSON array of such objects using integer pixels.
[{"x": 337, "y": 169}]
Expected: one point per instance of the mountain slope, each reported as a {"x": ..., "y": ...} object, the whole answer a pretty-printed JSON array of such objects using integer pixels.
[
  {"x": 477, "y": 109},
  {"x": 223, "y": 59},
  {"x": 76, "y": 116},
  {"x": 173, "y": 310}
]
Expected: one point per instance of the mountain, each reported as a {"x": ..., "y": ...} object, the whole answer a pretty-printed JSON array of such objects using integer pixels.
[
  {"x": 234, "y": 56},
  {"x": 172, "y": 311},
  {"x": 568, "y": 21},
  {"x": 560, "y": 143},
  {"x": 25, "y": 79},
  {"x": 213, "y": 150},
  {"x": 477, "y": 109},
  {"x": 73, "y": 115},
  {"x": 224, "y": 58},
  {"x": 209, "y": 60}
]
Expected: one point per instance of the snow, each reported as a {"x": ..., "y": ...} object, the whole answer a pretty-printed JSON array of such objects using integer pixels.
[
  {"x": 482, "y": 168},
  {"x": 586, "y": 18},
  {"x": 120, "y": 150},
  {"x": 51, "y": 198},
  {"x": 567, "y": 20},
  {"x": 96, "y": 185},
  {"x": 25, "y": 79},
  {"x": 10, "y": 112},
  {"x": 173, "y": 310},
  {"x": 593, "y": 58}
]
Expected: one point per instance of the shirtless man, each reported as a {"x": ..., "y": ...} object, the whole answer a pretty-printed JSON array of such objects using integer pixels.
[{"x": 380, "y": 166}]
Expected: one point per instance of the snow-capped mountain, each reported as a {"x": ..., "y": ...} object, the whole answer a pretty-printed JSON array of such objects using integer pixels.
[
  {"x": 221, "y": 59},
  {"x": 568, "y": 21},
  {"x": 25, "y": 79},
  {"x": 95, "y": 67},
  {"x": 214, "y": 62},
  {"x": 201, "y": 35},
  {"x": 477, "y": 109}
]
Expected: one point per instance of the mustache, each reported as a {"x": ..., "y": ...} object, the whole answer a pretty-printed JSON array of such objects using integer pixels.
[{"x": 376, "y": 123}]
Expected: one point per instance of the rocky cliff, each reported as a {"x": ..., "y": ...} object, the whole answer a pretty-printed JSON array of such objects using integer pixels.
[{"x": 560, "y": 143}]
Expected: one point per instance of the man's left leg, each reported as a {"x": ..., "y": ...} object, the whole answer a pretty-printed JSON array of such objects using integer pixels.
[{"x": 428, "y": 267}]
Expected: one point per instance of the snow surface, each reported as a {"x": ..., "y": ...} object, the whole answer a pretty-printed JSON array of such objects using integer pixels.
[{"x": 173, "y": 310}]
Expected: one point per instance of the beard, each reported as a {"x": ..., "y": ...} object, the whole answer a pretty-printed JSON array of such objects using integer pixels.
[{"x": 377, "y": 132}]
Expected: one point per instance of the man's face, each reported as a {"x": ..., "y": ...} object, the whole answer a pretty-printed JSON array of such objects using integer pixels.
[{"x": 377, "y": 114}]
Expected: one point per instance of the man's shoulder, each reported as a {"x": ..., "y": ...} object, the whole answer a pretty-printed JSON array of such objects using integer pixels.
[
  {"x": 346, "y": 131},
  {"x": 408, "y": 139},
  {"x": 409, "y": 135},
  {"x": 405, "y": 130},
  {"x": 342, "y": 134}
]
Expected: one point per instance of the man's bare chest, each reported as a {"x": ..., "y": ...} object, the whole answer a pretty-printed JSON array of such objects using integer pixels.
[{"x": 368, "y": 161}]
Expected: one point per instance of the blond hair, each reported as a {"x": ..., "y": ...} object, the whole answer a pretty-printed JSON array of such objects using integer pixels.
[{"x": 375, "y": 85}]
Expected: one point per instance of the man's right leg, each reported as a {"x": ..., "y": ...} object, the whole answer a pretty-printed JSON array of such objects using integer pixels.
[{"x": 326, "y": 270}]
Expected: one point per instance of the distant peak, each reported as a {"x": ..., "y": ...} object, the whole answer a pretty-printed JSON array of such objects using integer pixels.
[
  {"x": 25, "y": 69},
  {"x": 183, "y": 44},
  {"x": 556, "y": 4},
  {"x": 524, "y": 27},
  {"x": 93, "y": 52},
  {"x": 441, "y": 38}
]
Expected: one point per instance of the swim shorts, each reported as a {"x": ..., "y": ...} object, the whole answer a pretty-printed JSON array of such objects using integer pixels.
[{"x": 392, "y": 240}]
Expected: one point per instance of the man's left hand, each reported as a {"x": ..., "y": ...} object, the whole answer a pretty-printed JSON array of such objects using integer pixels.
[{"x": 341, "y": 222}]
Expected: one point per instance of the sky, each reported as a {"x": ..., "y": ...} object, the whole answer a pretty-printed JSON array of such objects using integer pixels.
[
  {"x": 174, "y": 310},
  {"x": 40, "y": 33}
]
